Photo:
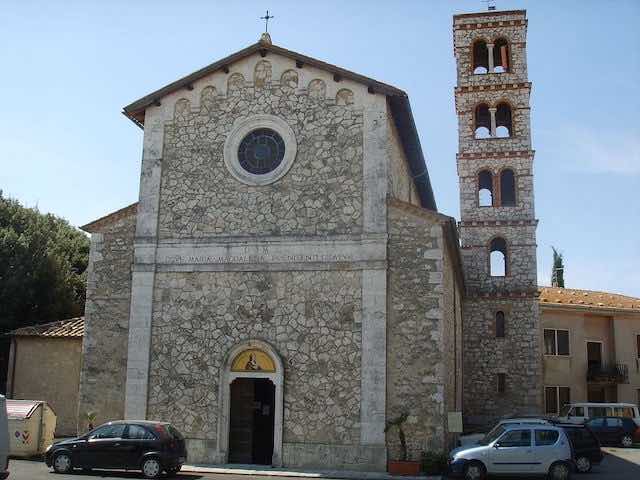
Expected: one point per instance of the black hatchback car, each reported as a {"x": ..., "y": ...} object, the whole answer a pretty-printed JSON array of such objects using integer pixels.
[
  {"x": 152, "y": 447},
  {"x": 584, "y": 445},
  {"x": 615, "y": 431}
]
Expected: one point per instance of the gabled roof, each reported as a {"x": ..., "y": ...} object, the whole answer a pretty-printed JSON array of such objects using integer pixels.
[
  {"x": 398, "y": 101},
  {"x": 135, "y": 111},
  {"x": 587, "y": 299},
  {"x": 110, "y": 218},
  {"x": 72, "y": 327}
]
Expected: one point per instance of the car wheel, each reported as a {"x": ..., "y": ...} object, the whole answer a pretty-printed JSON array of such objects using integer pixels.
[
  {"x": 560, "y": 471},
  {"x": 62, "y": 463},
  {"x": 627, "y": 441},
  {"x": 583, "y": 465},
  {"x": 474, "y": 471},
  {"x": 151, "y": 468}
]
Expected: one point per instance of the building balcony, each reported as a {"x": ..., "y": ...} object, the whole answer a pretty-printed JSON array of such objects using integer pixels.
[{"x": 608, "y": 373}]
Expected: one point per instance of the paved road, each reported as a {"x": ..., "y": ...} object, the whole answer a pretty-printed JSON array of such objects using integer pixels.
[
  {"x": 36, "y": 470},
  {"x": 619, "y": 464}
]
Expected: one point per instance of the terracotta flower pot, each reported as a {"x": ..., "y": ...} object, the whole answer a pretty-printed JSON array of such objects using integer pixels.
[{"x": 398, "y": 467}]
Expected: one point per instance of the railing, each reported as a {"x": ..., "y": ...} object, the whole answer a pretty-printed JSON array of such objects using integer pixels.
[{"x": 603, "y": 373}]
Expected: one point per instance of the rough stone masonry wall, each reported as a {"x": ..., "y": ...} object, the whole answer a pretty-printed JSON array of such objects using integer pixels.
[
  {"x": 416, "y": 364},
  {"x": 505, "y": 26},
  {"x": 452, "y": 333},
  {"x": 522, "y": 167},
  {"x": 312, "y": 318},
  {"x": 520, "y": 138},
  {"x": 517, "y": 355},
  {"x": 321, "y": 194},
  {"x": 521, "y": 258},
  {"x": 104, "y": 349}
]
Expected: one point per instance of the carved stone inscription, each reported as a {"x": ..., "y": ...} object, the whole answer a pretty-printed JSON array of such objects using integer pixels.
[
  {"x": 302, "y": 252},
  {"x": 206, "y": 259}
]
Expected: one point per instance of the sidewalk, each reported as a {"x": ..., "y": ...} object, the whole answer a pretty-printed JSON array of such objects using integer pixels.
[{"x": 284, "y": 472}]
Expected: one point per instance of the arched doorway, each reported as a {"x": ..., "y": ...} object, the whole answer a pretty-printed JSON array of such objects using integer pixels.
[{"x": 251, "y": 406}]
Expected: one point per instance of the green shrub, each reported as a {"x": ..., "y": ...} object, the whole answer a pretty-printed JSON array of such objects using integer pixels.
[{"x": 434, "y": 463}]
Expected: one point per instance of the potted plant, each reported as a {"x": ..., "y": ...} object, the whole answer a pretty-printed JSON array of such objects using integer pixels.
[
  {"x": 402, "y": 466},
  {"x": 90, "y": 417}
]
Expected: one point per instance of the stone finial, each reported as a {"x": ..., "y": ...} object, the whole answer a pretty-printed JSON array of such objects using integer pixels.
[{"x": 265, "y": 39}]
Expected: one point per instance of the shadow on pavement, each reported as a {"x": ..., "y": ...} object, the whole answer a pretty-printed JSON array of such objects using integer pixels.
[
  {"x": 131, "y": 474},
  {"x": 618, "y": 464}
]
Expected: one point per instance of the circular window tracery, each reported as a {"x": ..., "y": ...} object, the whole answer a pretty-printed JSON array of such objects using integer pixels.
[{"x": 261, "y": 151}]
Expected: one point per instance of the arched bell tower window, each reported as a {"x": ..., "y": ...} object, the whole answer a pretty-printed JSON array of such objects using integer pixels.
[
  {"x": 485, "y": 189},
  {"x": 507, "y": 188},
  {"x": 480, "y": 56},
  {"x": 503, "y": 120},
  {"x": 501, "y": 56},
  {"x": 498, "y": 257},
  {"x": 482, "y": 127},
  {"x": 500, "y": 324}
]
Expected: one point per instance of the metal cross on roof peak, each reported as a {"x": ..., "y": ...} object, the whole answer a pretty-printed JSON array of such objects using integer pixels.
[{"x": 266, "y": 19}]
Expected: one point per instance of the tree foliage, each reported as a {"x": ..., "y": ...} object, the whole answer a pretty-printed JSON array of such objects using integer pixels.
[
  {"x": 43, "y": 262},
  {"x": 557, "y": 271}
]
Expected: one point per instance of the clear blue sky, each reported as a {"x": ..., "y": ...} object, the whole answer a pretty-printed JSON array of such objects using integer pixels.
[{"x": 68, "y": 67}]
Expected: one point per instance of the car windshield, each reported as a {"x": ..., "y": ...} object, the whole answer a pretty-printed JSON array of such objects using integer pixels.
[{"x": 492, "y": 435}]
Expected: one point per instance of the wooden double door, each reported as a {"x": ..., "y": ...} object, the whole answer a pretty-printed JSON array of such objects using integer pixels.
[{"x": 251, "y": 422}]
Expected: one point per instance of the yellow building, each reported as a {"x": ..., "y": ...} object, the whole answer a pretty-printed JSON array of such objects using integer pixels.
[
  {"x": 590, "y": 346},
  {"x": 44, "y": 364}
]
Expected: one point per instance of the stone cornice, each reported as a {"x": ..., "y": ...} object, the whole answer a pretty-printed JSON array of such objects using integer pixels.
[
  {"x": 498, "y": 223},
  {"x": 484, "y": 246},
  {"x": 468, "y": 46},
  {"x": 500, "y": 295},
  {"x": 494, "y": 87},
  {"x": 500, "y": 154},
  {"x": 495, "y": 24}
]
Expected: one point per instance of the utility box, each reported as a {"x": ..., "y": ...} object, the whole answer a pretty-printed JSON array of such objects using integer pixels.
[{"x": 31, "y": 427}]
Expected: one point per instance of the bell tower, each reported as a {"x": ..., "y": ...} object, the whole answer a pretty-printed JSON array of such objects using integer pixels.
[{"x": 503, "y": 371}]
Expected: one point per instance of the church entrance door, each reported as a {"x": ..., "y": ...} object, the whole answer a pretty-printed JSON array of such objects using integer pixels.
[{"x": 251, "y": 422}]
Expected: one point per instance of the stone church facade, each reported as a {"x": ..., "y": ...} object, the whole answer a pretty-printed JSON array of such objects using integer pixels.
[{"x": 285, "y": 285}]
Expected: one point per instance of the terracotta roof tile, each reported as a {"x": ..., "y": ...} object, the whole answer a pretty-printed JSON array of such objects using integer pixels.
[
  {"x": 588, "y": 298},
  {"x": 72, "y": 327}
]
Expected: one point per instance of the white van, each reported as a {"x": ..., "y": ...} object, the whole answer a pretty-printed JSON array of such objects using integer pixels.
[
  {"x": 4, "y": 439},
  {"x": 581, "y": 412}
]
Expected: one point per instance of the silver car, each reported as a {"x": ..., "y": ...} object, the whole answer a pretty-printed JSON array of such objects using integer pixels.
[{"x": 515, "y": 449}]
